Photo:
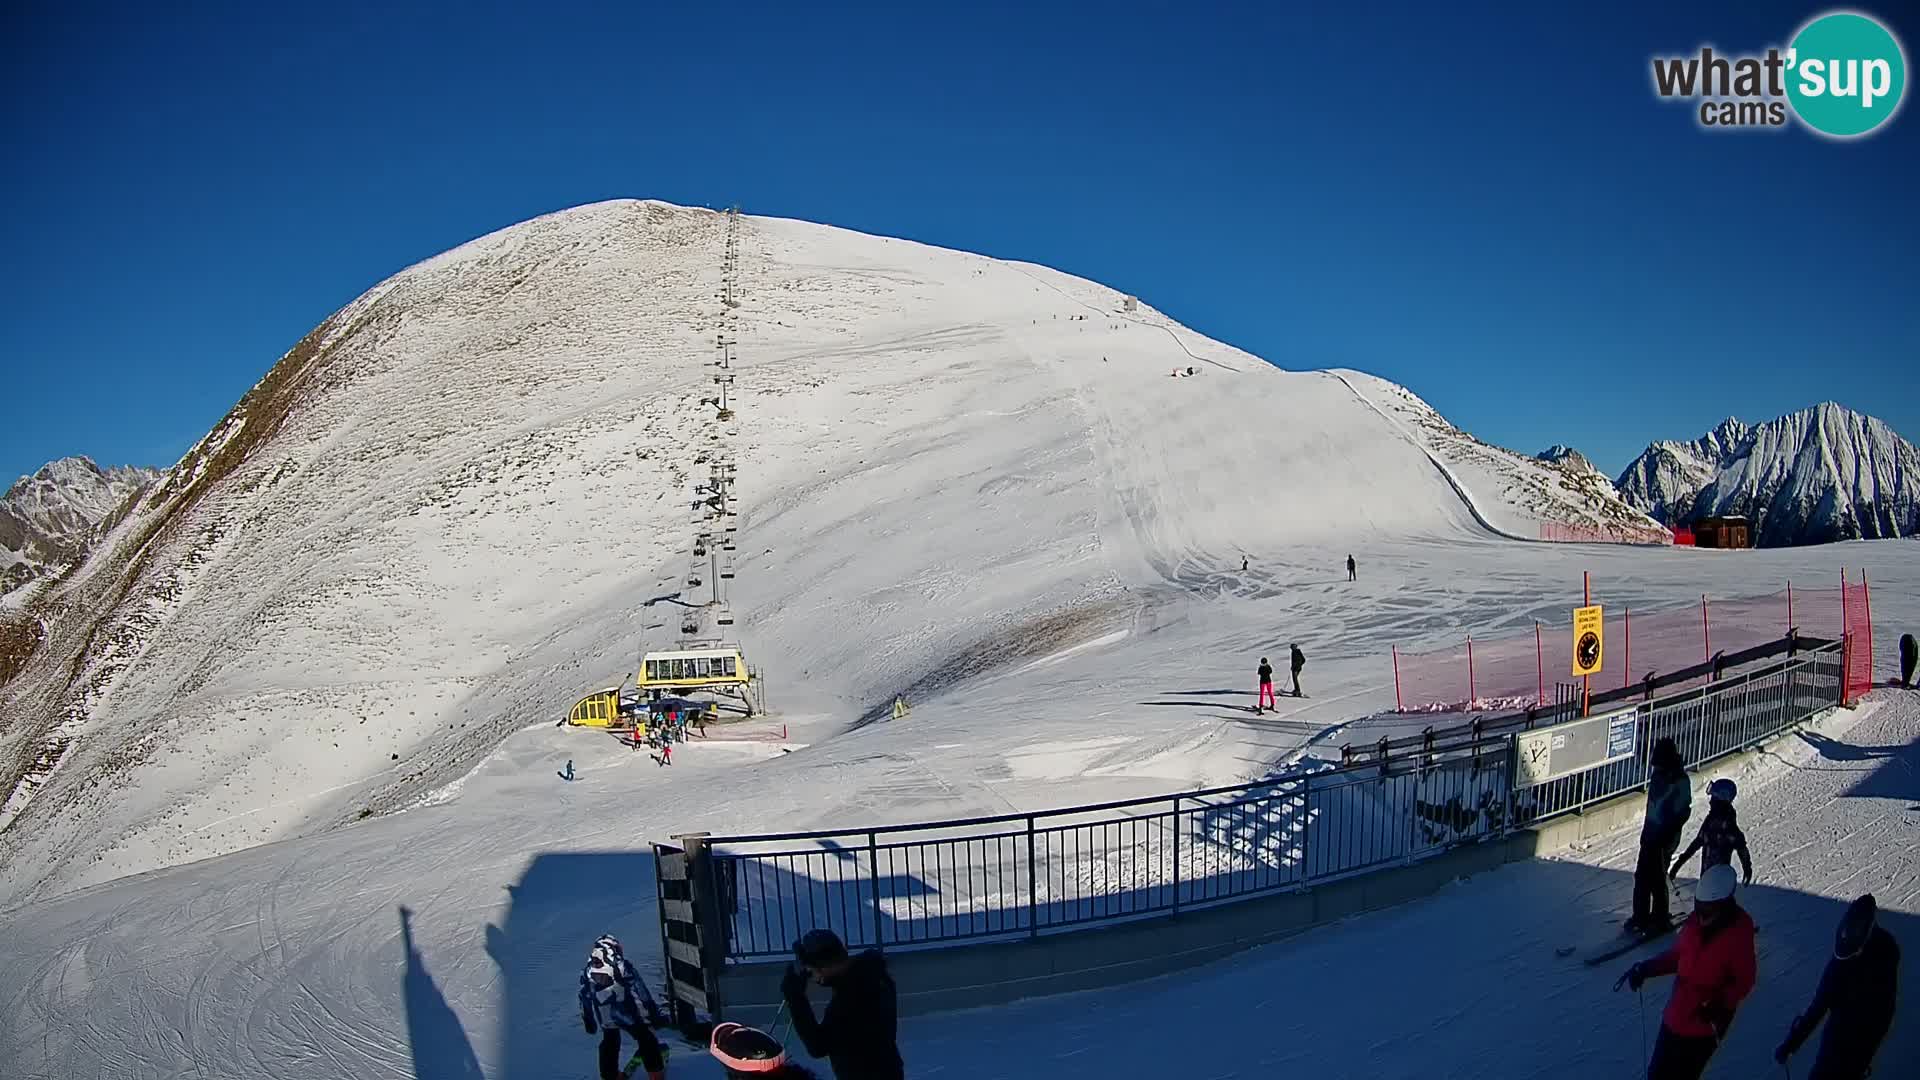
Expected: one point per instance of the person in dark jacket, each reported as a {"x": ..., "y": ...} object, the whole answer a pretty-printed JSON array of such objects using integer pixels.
[
  {"x": 1353, "y": 570},
  {"x": 1855, "y": 998},
  {"x": 859, "y": 1031},
  {"x": 1669, "y": 804},
  {"x": 1909, "y": 655},
  {"x": 1714, "y": 969},
  {"x": 1266, "y": 688},
  {"x": 1719, "y": 838},
  {"x": 1299, "y": 661}
]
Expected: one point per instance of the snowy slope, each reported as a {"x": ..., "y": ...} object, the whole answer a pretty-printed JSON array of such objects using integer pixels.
[
  {"x": 47, "y": 519},
  {"x": 1816, "y": 476},
  {"x": 444, "y": 942},
  {"x": 465, "y": 499},
  {"x": 1566, "y": 457},
  {"x": 1664, "y": 479},
  {"x": 1515, "y": 494}
]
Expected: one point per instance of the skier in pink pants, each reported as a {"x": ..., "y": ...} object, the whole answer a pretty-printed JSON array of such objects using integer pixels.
[{"x": 1267, "y": 700}]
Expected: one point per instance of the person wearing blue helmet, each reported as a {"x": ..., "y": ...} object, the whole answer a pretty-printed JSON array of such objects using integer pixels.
[{"x": 1719, "y": 838}]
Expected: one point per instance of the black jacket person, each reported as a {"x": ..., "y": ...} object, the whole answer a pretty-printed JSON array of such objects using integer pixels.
[
  {"x": 1855, "y": 998},
  {"x": 1298, "y": 661},
  {"x": 858, "y": 1031}
]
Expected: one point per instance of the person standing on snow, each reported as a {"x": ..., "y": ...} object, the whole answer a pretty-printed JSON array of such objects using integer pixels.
[
  {"x": 1909, "y": 655},
  {"x": 858, "y": 1033},
  {"x": 1266, "y": 688},
  {"x": 1669, "y": 804},
  {"x": 1719, "y": 838},
  {"x": 624, "y": 971},
  {"x": 1298, "y": 661},
  {"x": 1855, "y": 998},
  {"x": 1713, "y": 966},
  {"x": 1353, "y": 571},
  {"x": 608, "y": 1007}
]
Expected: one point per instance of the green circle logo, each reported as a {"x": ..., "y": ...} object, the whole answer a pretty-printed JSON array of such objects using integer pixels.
[{"x": 1846, "y": 74}]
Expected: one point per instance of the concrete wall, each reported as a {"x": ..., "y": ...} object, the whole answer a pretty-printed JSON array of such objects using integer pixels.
[{"x": 959, "y": 977}]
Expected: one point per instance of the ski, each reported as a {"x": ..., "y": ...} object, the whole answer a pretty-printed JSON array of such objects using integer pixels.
[{"x": 1627, "y": 942}]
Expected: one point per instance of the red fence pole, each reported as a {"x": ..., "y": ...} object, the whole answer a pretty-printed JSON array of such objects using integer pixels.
[
  {"x": 1706, "y": 635},
  {"x": 1469, "y": 670},
  {"x": 1846, "y": 650},
  {"x": 1539, "y": 667},
  {"x": 1866, "y": 600},
  {"x": 1398, "y": 705},
  {"x": 1626, "y": 669}
]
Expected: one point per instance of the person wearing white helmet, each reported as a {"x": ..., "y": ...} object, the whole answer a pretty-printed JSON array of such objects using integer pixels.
[
  {"x": 1713, "y": 965},
  {"x": 1719, "y": 838}
]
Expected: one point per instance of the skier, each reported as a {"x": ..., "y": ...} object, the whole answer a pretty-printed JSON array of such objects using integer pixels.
[
  {"x": 1267, "y": 700},
  {"x": 1855, "y": 998},
  {"x": 1712, "y": 963},
  {"x": 1719, "y": 838},
  {"x": 751, "y": 1054},
  {"x": 1298, "y": 661},
  {"x": 858, "y": 1033},
  {"x": 608, "y": 1007},
  {"x": 623, "y": 970},
  {"x": 1244, "y": 561},
  {"x": 1909, "y": 655},
  {"x": 1353, "y": 570},
  {"x": 1669, "y": 804}
]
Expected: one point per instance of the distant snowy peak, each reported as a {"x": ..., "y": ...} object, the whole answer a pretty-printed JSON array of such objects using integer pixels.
[
  {"x": 1815, "y": 476},
  {"x": 48, "y": 519},
  {"x": 1663, "y": 480},
  {"x": 1567, "y": 458}
]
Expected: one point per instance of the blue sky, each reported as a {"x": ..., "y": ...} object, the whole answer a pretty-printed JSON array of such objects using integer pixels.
[{"x": 1490, "y": 208}]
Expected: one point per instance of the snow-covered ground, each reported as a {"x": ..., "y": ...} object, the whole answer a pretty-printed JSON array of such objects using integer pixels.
[
  {"x": 290, "y": 960},
  {"x": 973, "y": 482}
]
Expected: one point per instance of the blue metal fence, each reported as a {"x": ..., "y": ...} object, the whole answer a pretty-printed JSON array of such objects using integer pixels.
[{"x": 947, "y": 882}]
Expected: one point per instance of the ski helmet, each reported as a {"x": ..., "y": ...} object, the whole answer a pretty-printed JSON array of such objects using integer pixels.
[
  {"x": 1856, "y": 926},
  {"x": 819, "y": 948},
  {"x": 1717, "y": 883},
  {"x": 745, "y": 1051},
  {"x": 611, "y": 944},
  {"x": 603, "y": 979},
  {"x": 1722, "y": 790}
]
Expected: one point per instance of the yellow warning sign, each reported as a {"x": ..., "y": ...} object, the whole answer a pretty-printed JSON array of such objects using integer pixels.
[{"x": 1589, "y": 640}]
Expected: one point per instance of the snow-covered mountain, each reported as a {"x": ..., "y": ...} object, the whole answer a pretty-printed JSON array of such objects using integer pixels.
[
  {"x": 1819, "y": 475},
  {"x": 48, "y": 519},
  {"x": 1566, "y": 457},
  {"x": 468, "y": 497},
  {"x": 1815, "y": 476},
  {"x": 1664, "y": 479}
]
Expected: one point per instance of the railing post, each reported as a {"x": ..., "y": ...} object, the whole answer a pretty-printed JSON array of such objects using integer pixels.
[
  {"x": 1470, "y": 693},
  {"x": 1306, "y": 824},
  {"x": 1176, "y": 853},
  {"x": 1033, "y": 886},
  {"x": 873, "y": 869}
]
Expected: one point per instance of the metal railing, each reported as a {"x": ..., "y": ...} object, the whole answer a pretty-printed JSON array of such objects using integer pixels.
[{"x": 1028, "y": 874}]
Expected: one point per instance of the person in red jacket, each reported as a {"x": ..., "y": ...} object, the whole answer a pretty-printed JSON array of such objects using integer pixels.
[{"x": 1712, "y": 964}]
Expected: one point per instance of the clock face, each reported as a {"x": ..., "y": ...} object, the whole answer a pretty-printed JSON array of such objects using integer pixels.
[{"x": 1587, "y": 651}]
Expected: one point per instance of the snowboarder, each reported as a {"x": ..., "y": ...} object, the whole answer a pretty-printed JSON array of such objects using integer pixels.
[
  {"x": 1244, "y": 561},
  {"x": 858, "y": 1033},
  {"x": 751, "y": 1054},
  {"x": 1669, "y": 804},
  {"x": 1353, "y": 569},
  {"x": 1719, "y": 838},
  {"x": 1712, "y": 963},
  {"x": 1909, "y": 655},
  {"x": 1267, "y": 700},
  {"x": 1298, "y": 661},
  {"x": 567, "y": 773},
  {"x": 1855, "y": 998},
  {"x": 609, "y": 1006}
]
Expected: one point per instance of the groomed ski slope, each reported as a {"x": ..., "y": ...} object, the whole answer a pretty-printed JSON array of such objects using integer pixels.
[
  {"x": 290, "y": 961},
  {"x": 951, "y": 470}
]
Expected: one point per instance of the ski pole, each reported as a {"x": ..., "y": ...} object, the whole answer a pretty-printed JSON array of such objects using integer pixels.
[{"x": 1642, "y": 995}]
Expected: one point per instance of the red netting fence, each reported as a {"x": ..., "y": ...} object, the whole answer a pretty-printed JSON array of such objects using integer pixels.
[
  {"x": 1507, "y": 671},
  {"x": 1560, "y": 532}
]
